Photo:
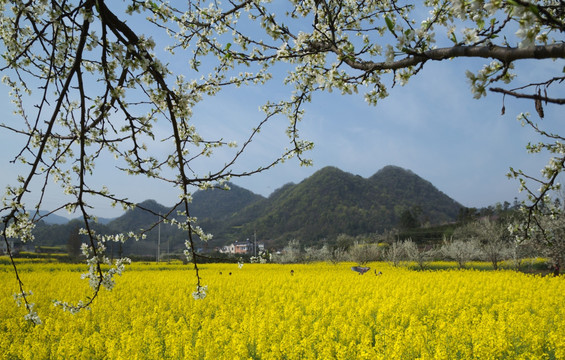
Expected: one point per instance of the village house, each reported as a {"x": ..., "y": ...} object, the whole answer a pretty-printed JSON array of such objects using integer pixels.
[{"x": 242, "y": 248}]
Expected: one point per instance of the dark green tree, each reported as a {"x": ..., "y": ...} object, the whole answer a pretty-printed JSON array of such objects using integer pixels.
[
  {"x": 408, "y": 220},
  {"x": 73, "y": 245}
]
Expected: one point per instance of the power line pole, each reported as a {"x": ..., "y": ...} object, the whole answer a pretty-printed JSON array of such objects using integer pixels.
[{"x": 159, "y": 238}]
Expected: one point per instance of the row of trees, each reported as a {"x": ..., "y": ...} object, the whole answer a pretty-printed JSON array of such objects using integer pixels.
[{"x": 485, "y": 240}]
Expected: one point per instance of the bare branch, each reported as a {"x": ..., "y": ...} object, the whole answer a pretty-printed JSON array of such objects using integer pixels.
[{"x": 528, "y": 96}]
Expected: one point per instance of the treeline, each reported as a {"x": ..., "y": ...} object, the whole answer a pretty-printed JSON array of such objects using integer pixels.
[
  {"x": 481, "y": 235},
  {"x": 479, "y": 241}
]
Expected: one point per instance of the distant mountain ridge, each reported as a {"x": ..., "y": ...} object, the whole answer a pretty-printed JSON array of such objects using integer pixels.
[
  {"x": 322, "y": 206},
  {"x": 53, "y": 218},
  {"x": 331, "y": 202}
]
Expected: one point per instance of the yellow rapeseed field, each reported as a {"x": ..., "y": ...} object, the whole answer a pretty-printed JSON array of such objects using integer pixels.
[{"x": 262, "y": 311}]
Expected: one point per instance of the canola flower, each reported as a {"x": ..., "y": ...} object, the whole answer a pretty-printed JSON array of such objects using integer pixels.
[{"x": 263, "y": 311}]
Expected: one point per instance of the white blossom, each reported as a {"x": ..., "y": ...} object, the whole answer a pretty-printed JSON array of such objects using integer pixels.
[{"x": 200, "y": 292}]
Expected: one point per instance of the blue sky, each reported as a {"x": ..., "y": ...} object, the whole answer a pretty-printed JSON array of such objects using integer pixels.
[{"x": 432, "y": 126}]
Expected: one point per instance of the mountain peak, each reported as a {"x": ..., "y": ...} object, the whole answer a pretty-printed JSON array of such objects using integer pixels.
[
  {"x": 329, "y": 169},
  {"x": 332, "y": 201},
  {"x": 393, "y": 169}
]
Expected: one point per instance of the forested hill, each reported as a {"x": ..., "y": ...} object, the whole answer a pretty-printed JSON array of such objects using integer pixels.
[
  {"x": 332, "y": 201},
  {"x": 326, "y": 204}
]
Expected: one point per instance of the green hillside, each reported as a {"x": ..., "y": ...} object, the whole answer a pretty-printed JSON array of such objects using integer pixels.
[{"x": 332, "y": 202}]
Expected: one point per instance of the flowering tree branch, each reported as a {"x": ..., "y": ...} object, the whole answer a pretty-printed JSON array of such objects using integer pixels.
[{"x": 503, "y": 54}]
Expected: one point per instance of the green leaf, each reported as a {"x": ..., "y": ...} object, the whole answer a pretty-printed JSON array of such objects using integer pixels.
[
  {"x": 228, "y": 55},
  {"x": 153, "y": 5},
  {"x": 389, "y": 24},
  {"x": 533, "y": 8}
]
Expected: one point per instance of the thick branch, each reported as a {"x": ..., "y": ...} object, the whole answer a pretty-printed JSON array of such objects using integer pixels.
[{"x": 504, "y": 54}]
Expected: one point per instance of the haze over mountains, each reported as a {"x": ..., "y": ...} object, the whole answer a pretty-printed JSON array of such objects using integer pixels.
[{"x": 326, "y": 204}]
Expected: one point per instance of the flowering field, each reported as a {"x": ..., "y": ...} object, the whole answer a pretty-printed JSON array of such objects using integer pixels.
[{"x": 323, "y": 311}]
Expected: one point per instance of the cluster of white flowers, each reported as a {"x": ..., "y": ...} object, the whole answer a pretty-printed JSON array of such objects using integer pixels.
[
  {"x": 258, "y": 260},
  {"x": 200, "y": 292},
  {"x": 484, "y": 77},
  {"x": 19, "y": 297},
  {"x": 20, "y": 228},
  {"x": 31, "y": 316},
  {"x": 72, "y": 308},
  {"x": 263, "y": 258},
  {"x": 95, "y": 275},
  {"x": 188, "y": 251}
]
